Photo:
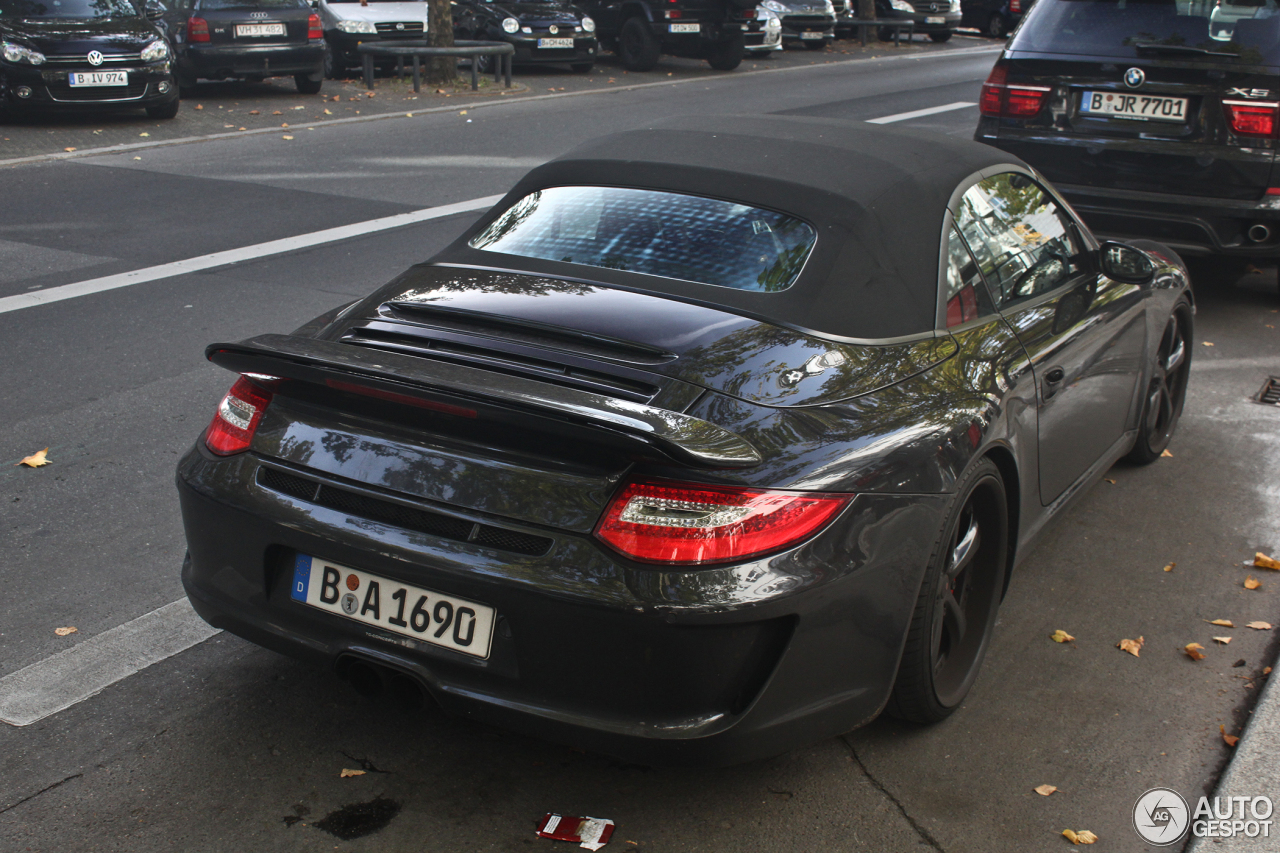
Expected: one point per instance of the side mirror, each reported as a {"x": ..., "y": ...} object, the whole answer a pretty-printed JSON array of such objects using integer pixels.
[
  {"x": 1124, "y": 263},
  {"x": 153, "y": 10}
]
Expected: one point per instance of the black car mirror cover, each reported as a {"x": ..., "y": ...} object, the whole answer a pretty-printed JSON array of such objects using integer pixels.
[{"x": 1121, "y": 262}]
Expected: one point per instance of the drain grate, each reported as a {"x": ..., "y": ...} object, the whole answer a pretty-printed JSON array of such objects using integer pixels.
[{"x": 1270, "y": 392}]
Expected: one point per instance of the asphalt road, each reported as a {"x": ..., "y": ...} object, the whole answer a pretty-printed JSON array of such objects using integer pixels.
[{"x": 229, "y": 747}]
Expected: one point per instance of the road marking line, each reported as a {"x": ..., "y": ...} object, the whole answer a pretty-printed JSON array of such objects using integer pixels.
[
  {"x": 235, "y": 256},
  {"x": 945, "y": 108},
  {"x": 69, "y": 677}
]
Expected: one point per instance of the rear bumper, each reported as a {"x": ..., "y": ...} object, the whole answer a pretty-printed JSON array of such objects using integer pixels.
[
  {"x": 1189, "y": 224},
  {"x": 244, "y": 60},
  {"x": 695, "y": 667}
]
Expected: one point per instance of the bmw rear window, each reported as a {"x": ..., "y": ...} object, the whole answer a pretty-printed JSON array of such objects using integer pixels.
[
  {"x": 666, "y": 234},
  {"x": 1187, "y": 30}
]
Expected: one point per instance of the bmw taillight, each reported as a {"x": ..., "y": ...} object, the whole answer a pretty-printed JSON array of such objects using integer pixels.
[
  {"x": 1001, "y": 99},
  {"x": 657, "y": 521},
  {"x": 1252, "y": 118},
  {"x": 197, "y": 30},
  {"x": 314, "y": 30},
  {"x": 237, "y": 417}
]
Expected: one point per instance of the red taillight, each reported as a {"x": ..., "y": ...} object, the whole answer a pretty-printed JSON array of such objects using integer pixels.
[
  {"x": 664, "y": 522},
  {"x": 231, "y": 430},
  {"x": 1015, "y": 7},
  {"x": 962, "y": 307},
  {"x": 1003, "y": 100},
  {"x": 197, "y": 30},
  {"x": 1252, "y": 118},
  {"x": 314, "y": 30}
]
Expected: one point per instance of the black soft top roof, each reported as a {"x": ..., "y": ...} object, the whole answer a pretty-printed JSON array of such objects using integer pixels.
[{"x": 876, "y": 197}]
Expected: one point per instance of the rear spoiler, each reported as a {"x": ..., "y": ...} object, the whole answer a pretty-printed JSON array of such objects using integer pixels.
[{"x": 686, "y": 439}]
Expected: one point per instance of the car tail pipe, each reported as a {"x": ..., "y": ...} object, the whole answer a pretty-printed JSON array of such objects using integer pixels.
[
  {"x": 1259, "y": 233},
  {"x": 373, "y": 679}
]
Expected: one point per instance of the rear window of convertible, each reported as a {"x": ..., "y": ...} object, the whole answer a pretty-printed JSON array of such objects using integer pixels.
[{"x": 658, "y": 233}]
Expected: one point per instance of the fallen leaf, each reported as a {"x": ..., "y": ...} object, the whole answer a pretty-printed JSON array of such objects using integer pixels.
[
  {"x": 1109, "y": 480},
  {"x": 1166, "y": 454},
  {"x": 1195, "y": 651},
  {"x": 1061, "y": 636},
  {"x": 1267, "y": 671},
  {"x": 1262, "y": 561},
  {"x": 284, "y": 124},
  {"x": 1221, "y": 623},
  {"x": 1206, "y": 343},
  {"x": 68, "y": 149},
  {"x": 1044, "y": 790},
  {"x": 286, "y": 136},
  {"x": 64, "y": 632},
  {"x": 1084, "y": 836},
  {"x": 228, "y": 125},
  {"x": 244, "y": 128},
  {"x": 1131, "y": 646},
  {"x": 1223, "y": 640},
  {"x": 1259, "y": 626},
  {"x": 253, "y": 112},
  {"x": 1230, "y": 740},
  {"x": 276, "y": 113},
  {"x": 328, "y": 111},
  {"x": 1252, "y": 583},
  {"x": 462, "y": 113},
  {"x": 137, "y": 158},
  {"x": 144, "y": 133},
  {"x": 346, "y": 772},
  {"x": 199, "y": 106},
  {"x": 1169, "y": 567},
  {"x": 302, "y": 108},
  {"x": 35, "y": 460}
]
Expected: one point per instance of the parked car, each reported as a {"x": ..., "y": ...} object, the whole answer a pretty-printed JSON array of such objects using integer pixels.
[
  {"x": 937, "y": 19},
  {"x": 84, "y": 55},
  {"x": 542, "y": 32},
  {"x": 1153, "y": 121},
  {"x": 811, "y": 23},
  {"x": 348, "y": 23},
  {"x": 632, "y": 466},
  {"x": 245, "y": 40},
  {"x": 763, "y": 35},
  {"x": 640, "y": 31},
  {"x": 996, "y": 18}
]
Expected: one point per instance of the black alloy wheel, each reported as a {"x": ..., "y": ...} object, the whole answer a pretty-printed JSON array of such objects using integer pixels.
[
  {"x": 727, "y": 55},
  {"x": 945, "y": 35},
  {"x": 186, "y": 85},
  {"x": 169, "y": 110},
  {"x": 958, "y": 600},
  {"x": 308, "y": 84},
  {"x": 638, "y": 48},
  {"x": 484, "y": 63},
  {"x": 996, "y": 27},
  {"x": 1168, "y": 388}
]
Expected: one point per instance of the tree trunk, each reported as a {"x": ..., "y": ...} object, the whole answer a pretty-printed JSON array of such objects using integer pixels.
[{"x": 441, "y": 69}]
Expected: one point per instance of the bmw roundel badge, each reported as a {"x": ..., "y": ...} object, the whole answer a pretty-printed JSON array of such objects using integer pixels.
[{"x": 1135, "y": 77}]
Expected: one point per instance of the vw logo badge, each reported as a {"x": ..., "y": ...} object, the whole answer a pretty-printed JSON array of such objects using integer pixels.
[
  {"x": 95, "y": 58},
  {"x": 553, "y": 29},
  {"x": 1135, "y": 77},
  {"x": 399, "y": 26}
]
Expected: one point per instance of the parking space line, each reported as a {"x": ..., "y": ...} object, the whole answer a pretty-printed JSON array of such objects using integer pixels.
[
  {"x": 69, "y": 677},
  {"x": 945, "y": 108},
  {"x": 234, "y": 256}
]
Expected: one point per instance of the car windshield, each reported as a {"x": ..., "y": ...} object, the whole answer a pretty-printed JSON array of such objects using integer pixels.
[
  {"x": 66, "y": 9},
  {"x": 657, "y": 233},
  {"x": 251, "y": 4},
  {"x": 1188, "y": 30}
]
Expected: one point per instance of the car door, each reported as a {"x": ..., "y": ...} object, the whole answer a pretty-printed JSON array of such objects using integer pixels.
[{"x": 1082, "y": 332}]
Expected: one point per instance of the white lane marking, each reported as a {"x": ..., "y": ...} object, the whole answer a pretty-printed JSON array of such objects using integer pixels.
[
  {"x": 69, "y": 677},
  {"x": 945, "y": 108},
  {"x": 1263, "y": 363},
  {"x": 234, "y": 256}
]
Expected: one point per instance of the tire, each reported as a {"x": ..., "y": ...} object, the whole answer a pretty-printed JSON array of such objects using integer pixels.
[
  {"x": 484, "y": 63},
  {"x": 727, "y": 55},
  {"x": 582, "y": 67},
  {"x": 816, "y": 45},
  {"x": 884, "y": 34},
  {"x": 186, "y": 85},
  {"x": 638, "y": 47},
  {"x": 950, "y": 631},
  {"x": 334, "y": 67},
  {"x": 945, "y": 35},
  {"x": 1167, "y": 391},
  {"x": 996, "y": 26},
  {"x": 306, "y": 85},
  {"x": 169, "y": 110}
]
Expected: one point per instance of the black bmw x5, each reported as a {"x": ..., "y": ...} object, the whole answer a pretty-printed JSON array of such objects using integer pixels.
[
  {"x": 1155, "y": 118},
  {"x": 84, "y": 54}
]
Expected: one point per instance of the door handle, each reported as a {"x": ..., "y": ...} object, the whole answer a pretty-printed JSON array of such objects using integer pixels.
[{"x": 1052, "y": 379}]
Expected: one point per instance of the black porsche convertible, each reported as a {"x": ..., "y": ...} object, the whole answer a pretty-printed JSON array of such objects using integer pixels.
[{"x": 683, "y": 453}]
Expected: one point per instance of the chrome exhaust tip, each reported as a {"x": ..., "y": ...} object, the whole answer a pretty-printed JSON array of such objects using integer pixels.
[{"x": 1259, "y": 233}]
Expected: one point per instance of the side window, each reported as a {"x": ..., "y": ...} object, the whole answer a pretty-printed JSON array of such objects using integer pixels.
[
  {"x": 966, "y": 296},
  {"x": 1022, "y": 242}
]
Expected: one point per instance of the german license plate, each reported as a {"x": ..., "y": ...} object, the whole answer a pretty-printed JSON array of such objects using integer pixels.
[
  {"x": 935, "y": 21},
  {"x": 1139, "y": 107},
  {"x": 257, "y": 30},
  {"x": 686, "y": 28},
  {"x": 555, "y": 42},
  {"x": 410, "y": 611},
  {"x": 810, "y": 35},
  {"x": 98, "y": 78}
]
